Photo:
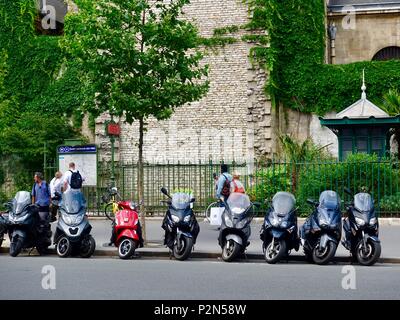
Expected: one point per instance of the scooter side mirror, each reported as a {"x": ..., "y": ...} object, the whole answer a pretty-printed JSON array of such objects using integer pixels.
[
  {"x": 165, "y": 192},
  {"x": 257, "y": 204},
  {"x": 311, "y": 202},
  {"x": 348, "y": 191},
  {"x": 192, "y": 200}
]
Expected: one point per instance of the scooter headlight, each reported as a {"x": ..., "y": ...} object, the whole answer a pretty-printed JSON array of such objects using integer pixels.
[
  {"x": 373, "y": 221},
  {"x": 284, "y": 224},
  {"x": 274, "y": 222},
  {"x": 242, "y": 223},
  {"x": 360, "y": 221},
  {"x": 323, "y": 222},
  {"x": 66, "y": 218},
  {"x": 187, "y": 219},
  {"x": 228, "y": 221},
  {"x": 174, "y": 218}
]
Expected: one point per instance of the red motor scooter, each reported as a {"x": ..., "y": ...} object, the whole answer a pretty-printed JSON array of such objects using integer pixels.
[{"x": 125, "y": 226}]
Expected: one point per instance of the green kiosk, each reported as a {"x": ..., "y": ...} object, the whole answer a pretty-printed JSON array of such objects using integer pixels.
[{"x": 362, "y": 127}]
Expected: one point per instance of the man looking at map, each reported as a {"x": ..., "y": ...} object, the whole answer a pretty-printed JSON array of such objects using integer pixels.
[{"x": 72, "y": 178}]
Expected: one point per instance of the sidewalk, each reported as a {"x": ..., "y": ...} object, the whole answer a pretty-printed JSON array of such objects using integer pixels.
[{"x": 207, "y": 244}]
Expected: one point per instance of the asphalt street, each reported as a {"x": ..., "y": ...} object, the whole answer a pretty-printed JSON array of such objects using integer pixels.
[
  {"x": 208, "y": 238},
  {"x": 141, "y": 278}
]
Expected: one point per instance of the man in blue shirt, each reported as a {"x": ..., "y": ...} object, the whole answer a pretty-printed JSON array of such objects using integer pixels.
[
  {"x": 223, "y": 183},
  {"x": 41, "y": 197}
]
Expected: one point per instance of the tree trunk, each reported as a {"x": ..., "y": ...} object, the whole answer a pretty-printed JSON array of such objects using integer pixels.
[{"x": 141, "y": 180}]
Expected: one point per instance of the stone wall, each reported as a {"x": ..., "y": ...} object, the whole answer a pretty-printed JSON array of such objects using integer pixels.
[{"x": 232, "y": 122}]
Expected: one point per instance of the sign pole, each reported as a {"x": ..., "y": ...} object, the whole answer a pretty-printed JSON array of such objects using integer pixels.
[{"x": 112, "y": 139}]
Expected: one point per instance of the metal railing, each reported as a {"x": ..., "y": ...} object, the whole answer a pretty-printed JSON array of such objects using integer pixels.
[{"x": 261, "y": 180}]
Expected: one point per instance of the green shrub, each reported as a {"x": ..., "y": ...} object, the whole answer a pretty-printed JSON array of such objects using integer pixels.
[
  {"x": 269, "y": 181},
  {"x": 358, "y": 171},
  {"x": 390, "y": 203}
]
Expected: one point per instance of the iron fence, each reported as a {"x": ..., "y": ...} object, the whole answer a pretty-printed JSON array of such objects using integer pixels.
[{"x": 261, "y": 180}]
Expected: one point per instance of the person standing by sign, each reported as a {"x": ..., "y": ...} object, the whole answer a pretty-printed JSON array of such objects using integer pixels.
[
  {"x": 72, "y": 178},
  {"x": 55, "y": 191},
  {"x": 224, "y": 184},
  {"x": 41, "y": 197}
]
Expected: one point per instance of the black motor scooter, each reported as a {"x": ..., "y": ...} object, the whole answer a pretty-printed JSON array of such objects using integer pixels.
[
  {"x": 25, "y": 228},
  {"x": 4, "y": 222},
  {"x": 361, "y": 229},
  {"x": 235, "y": 228},
  {"x": 180, "y": 224},
  {"x": 321, "y": 232},
  {"x": 279, "y": 232}
]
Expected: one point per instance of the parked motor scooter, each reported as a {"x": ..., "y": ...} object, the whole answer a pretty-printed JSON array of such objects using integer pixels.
[
  {"x": 279, "y": 232},
  {"x": 4, "y": 222},
  {"x": 361, "y": 229},
  {"x": 180, "y": 224},
  {"x": 25, "y": 228},
  {"x": 235, "y": 227},
  {"x": 321, "y": 232},
  {"x": 73, "y": 229},
  {"x": 125, "y": 226}
]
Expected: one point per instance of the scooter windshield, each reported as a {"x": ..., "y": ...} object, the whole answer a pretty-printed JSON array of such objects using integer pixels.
[
  {"x": 21, "y": 201},
  {"x": 283, "y": 203},
  {"x": 363, "y": 202},
  {"x": 238, "y": 203},
  {"x": 181, "y": 200},
  {"x": 72, "y": 201},
  {"x": 329, "y": 200}
]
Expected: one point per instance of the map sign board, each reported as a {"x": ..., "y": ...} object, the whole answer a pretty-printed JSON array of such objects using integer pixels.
[{"x": 85, "y": 159}]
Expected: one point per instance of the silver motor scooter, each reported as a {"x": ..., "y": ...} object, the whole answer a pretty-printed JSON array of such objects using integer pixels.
[{"x": 72, "y": 235}]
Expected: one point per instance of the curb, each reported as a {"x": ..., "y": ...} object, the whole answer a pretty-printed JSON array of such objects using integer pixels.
[{"x": 211, "y": 256}]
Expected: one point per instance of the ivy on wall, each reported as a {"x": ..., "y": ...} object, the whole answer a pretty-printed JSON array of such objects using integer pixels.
[
  {"x": 294, "y": 58},
  {"x": 35, "y": 99}
]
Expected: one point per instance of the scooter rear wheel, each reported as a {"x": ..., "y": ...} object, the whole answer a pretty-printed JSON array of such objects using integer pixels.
[
  {"x": 64, "y": 247},
  {"x": 322, "y": 257},
  {"x": 186, "y": 248},
  {"x": 230, "y": 250},
  {"x": 274, "y": 254},
  {"x": 126, "y": 248},
  {"x": 371, "y": 254},
  {"x": 88, "y": 246}
]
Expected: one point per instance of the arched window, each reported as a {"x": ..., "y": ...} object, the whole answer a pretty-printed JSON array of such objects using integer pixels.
[{"x": 388, "y": 53}]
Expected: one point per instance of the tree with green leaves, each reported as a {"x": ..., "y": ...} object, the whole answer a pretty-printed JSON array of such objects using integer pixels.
[
  {"x": 391, "y": 105},
  {"x": 36, "y": 99},
  {"x": 298, "y": 152},
  {"x": 141, "y": 59}
]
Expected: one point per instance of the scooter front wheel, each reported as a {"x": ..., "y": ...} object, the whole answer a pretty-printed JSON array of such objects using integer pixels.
[
  {"x": 369, "y": 255},
  {"x": 16, "y": 246},
  {"x": 230, "y": 250},
  {"x": 63, "y": 247},
  {"x": 88, "y": 246},
  {"x": 324, "y": 256},
  {"x": 275, "y": 251},
  {"x": 186, "y": 246},
  {"x": 126, "y": 248}
]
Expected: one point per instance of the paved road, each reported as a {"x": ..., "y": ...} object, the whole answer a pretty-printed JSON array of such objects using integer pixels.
[{"x": 140, "y": 278}]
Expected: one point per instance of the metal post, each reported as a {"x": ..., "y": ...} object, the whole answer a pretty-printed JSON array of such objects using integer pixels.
[{"x": 112, "y": 140}]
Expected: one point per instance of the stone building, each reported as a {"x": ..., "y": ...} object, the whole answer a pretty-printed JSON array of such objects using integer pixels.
[
  {"x": 232, "y": 122},
  {"x": 235, "y": 121}
]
